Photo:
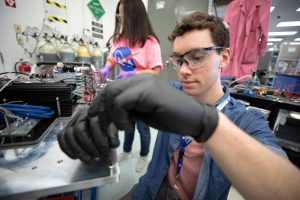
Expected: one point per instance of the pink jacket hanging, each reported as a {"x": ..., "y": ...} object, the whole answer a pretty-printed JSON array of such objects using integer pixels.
[{"x": 248, "y": 26}]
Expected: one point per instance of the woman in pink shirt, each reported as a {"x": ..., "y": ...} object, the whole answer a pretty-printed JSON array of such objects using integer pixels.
[{"x": 135, "y": 50}]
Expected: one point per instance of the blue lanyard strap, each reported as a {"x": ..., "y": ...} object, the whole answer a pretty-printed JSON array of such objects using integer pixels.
[
  {"x": 223, "y": 103},
  {"x": 184, "y": 141}
]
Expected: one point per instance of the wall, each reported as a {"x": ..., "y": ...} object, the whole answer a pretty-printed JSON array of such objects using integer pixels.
[
  {"x": 22, "y": 15},
  {"x": 163, "y": 16},
  {"x": 32, "y": 12}
]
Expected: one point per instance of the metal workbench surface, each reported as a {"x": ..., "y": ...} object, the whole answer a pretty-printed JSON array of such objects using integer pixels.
[{"x": 43, "y": 169}]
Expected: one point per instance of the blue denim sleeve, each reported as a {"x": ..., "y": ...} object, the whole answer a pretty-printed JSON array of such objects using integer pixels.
[{"x": 254, "y": 124}]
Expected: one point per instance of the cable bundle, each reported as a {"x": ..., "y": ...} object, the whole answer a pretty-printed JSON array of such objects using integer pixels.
[{"x": 25, "y": 110}]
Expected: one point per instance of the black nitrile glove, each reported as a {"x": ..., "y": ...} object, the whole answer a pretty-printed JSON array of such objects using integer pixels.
[
  {"x": 149, "y": 99},
  {"x": 83, "y": 138}
]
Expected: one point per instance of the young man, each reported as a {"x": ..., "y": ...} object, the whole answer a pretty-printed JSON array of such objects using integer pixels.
[
  {"x": 200, "y": 52},
  {"x": 219, "y": 126}
]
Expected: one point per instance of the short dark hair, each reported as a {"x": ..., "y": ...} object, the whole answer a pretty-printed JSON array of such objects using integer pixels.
[
  {"x": 200, "y": 21},
  {"x": 137, "y": 27}
]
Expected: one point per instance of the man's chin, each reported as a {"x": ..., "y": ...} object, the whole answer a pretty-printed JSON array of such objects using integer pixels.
[{"x": 189, "y": 91}]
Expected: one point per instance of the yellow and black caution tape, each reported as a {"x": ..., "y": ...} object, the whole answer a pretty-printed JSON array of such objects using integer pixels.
[
  {"x": 53, "y": 3},
  {"x": 53, "y": 18}
]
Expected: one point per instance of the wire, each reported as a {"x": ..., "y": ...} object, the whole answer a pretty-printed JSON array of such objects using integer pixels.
[
  {"x": 14, "y": 73},
  {"x": 7, "y": 113},
  {"x": 239, "y": 79},
  {"x": 36, "y": 38},
  {"x": 49, "y": 69},
  {"x": 29, "y": 110},
  {"x": 19, "y": 101},
  {"x": 15, "y": 67},
  {"x": 3, "y": 83},
  {"x": 6, "y": 84},
  {"x": 26, "y": 50}
]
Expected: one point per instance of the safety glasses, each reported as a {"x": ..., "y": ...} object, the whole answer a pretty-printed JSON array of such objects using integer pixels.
[{"x": 194, "y": 58}]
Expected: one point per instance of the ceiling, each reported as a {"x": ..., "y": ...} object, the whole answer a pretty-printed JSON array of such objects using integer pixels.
[{"x": 285, "y": 10}]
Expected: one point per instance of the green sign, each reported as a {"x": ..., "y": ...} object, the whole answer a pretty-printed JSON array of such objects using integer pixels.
[{"x": 96, "y": 9}]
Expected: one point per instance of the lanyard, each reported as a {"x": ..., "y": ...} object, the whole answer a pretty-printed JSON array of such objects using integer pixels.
[
  {"x": 186, "y": 140},
  {"x": 222, "y": 104}
]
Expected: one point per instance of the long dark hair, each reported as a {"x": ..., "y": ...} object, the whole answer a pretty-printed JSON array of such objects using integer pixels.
[{"x": 136, "y": 24}]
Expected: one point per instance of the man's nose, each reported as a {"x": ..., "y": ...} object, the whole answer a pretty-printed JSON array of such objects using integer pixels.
[{"x": 184, "y": 68}]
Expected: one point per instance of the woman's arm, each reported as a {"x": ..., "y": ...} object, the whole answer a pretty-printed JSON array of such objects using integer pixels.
[
  {"x": 254, "y": 170},
  {"x": 109, "y": 63}
]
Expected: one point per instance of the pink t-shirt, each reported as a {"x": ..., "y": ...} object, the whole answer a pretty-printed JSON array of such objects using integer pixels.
[
  {"x": 137, "y": 58},
  {"x": 191, "y": 164}
]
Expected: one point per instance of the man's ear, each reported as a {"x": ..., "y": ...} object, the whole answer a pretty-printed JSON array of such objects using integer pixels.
[{"x": 225, "y": 55}]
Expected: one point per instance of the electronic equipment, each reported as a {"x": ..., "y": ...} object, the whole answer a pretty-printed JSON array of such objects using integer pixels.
[
  {"x": 287, "y": 133},
  {"x": 29, "y": 132},
  {"x": 56, "y": 95},
  {"x": 71, "y": 83},
  {"x": 46, "y": 69},
  {"x": 58, "y": 98},
  {"x": 290, "y": 129},
  {"x": 290, "y": 83}
]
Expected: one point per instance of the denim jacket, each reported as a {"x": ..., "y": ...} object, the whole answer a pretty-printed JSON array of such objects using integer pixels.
[{"x": 211, "y": 183}]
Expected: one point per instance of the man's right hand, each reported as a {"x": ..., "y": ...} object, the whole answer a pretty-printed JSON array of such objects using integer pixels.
[
  {"x": 83, "y": 138},
  {"x": 149, "y": 99}
]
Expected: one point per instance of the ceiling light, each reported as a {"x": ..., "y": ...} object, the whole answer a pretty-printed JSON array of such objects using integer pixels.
[
  {"x": 272, "y": 8},
  {"x": 270, "y": 43},
  {"x": 295, "y": 43},
  {"x": 297, "y": 39},
  {"x": 274, "y": 39},
  {"x": 298, "y": 9},
  {"x": 282, "y": 33},
  {"x": 291, "y": 23}
]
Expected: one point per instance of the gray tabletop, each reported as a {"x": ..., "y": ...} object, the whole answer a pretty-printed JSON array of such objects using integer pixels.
[{"x": 43, "y": 169}]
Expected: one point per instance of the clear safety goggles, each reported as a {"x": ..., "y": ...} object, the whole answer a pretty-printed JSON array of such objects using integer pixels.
[{"x": 194, "y": 58}]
